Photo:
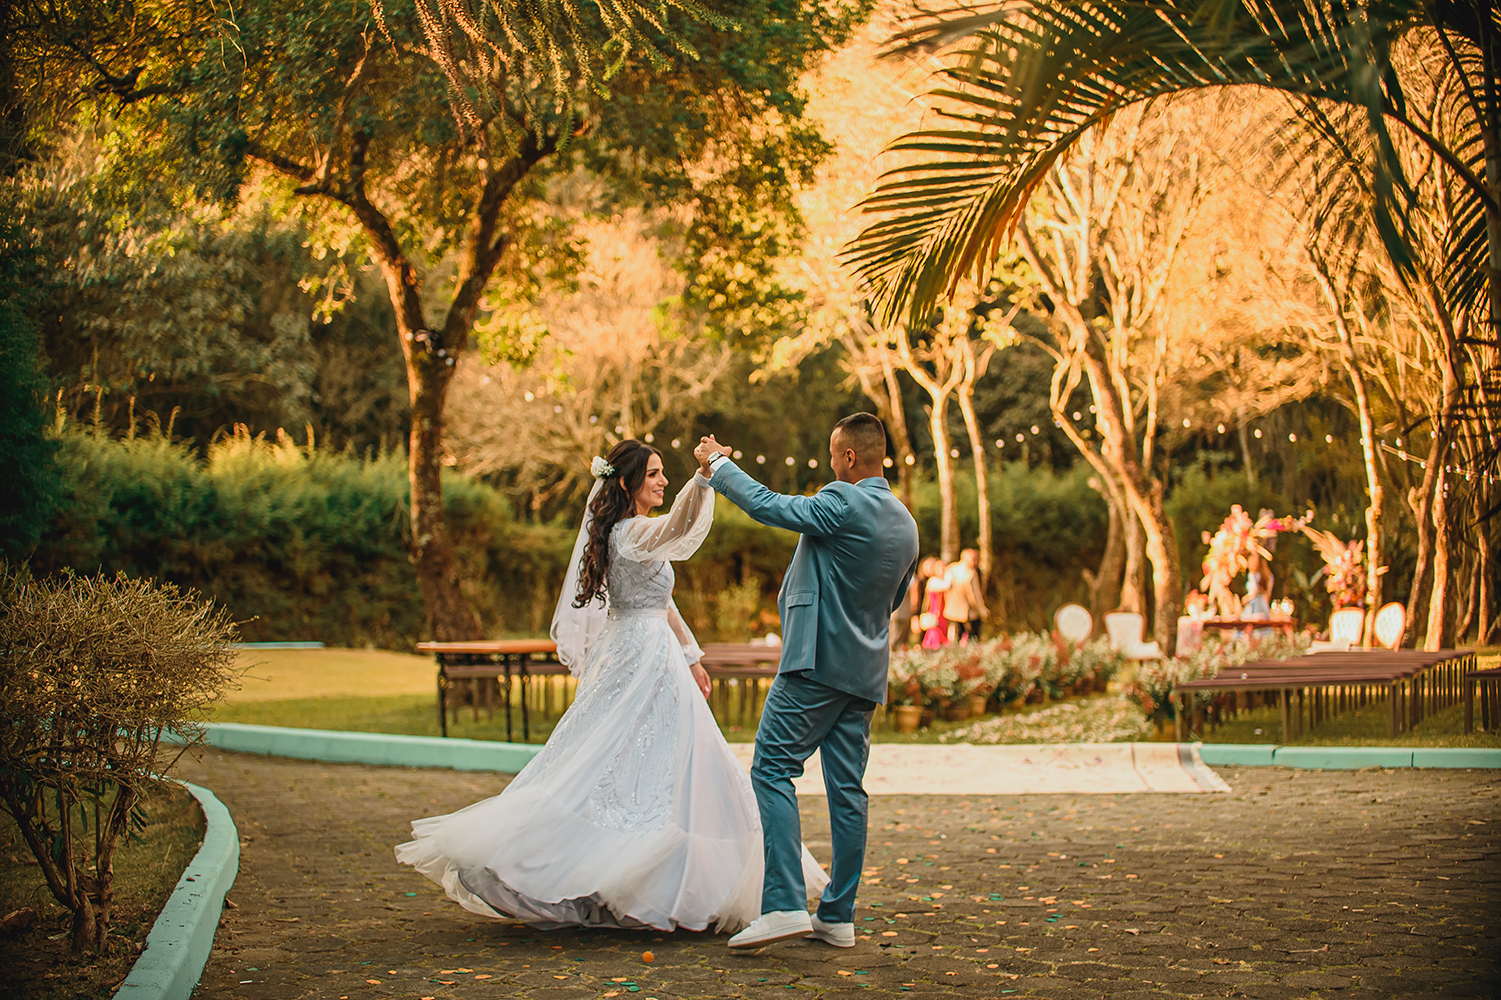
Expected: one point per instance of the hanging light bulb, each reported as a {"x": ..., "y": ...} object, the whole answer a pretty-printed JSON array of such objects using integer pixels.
[
  {"x": 1220, "y": 429},
  {"x": 887, "y": 462},
  {"x": 647, "y": 438},
  {"x": 738, "y": 454},
  {"x": 1036, "y": 429},
  {"x": 791, "y": 460},
  {"x": 760, "y": 459},
  {"x": 1257, "y": 432},
  {"x": 1292, "y": 437},
  {"x": 677, "y": 442},
  {"x": 812, "y": 463},
  {"x": 911, "y": 460},
  {"x": 1328, "y": 438},
  {"x": 953, "y": 453},
  {"x": 1186, "y": 423},
  {"x": 1020, "y": 438}
]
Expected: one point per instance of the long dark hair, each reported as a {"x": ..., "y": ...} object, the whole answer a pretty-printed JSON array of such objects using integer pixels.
[{"x": 610, "y": 506}]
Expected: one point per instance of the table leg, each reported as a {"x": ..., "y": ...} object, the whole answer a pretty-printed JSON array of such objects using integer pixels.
[
  {"x": 506, "y": 694},
  {"x": 1285, "y": 701},
  {"x": 1180, "y": 725},
  {"x": 442, "y": 698}
]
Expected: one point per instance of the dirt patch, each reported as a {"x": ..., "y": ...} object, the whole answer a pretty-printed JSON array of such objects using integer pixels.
[{"x": 38, "y": 963}]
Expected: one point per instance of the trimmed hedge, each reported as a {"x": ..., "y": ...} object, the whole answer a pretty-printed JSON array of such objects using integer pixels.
[{"x": 302, "y": 544}]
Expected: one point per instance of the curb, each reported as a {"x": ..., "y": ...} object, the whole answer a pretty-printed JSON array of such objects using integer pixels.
[
  {"x": 1347, "y": 758},
  {"x": 178, "y": 946},
  {"x": 372, "y": 748}
]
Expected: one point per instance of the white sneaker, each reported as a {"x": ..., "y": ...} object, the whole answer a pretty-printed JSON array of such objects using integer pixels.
[
  {"x": 838, "y": 935},
  {"x": 779, "y": 925}
]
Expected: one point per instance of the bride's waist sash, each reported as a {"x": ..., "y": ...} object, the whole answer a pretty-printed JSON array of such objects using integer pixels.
[{"x": 615, "y": 614}]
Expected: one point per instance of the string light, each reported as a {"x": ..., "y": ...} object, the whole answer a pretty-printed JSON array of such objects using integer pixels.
[
  {"x": 1078, "y": 415},
  {"x": 1328, "y": 438},
  {"x": 791, "y": 460},
  {"x": 738, "y": 455},
  {"x": 530, "y": 397},
  {"x": 1457, "y": 470},
  {"x": 1220, "y": 429},
  {"x": 953, "y": 453},
  {"x": 812, "y": 463},
  {"x": 760, "y": 459},
  {"x": 999, "y": 443},
  {"x": 1036, "y": 429},
  {"x": 1257, "y": 432},
  {"x": 1020, "y": 438},
  {"x": 887, "y": 462},
  {"x": 677, "y": 442},
  {"x": 911, "y": 460},
  {"x": 1186, "y": 423},
  {"x": 647, "y": 438},
  {"x": 1292, "y": 437}
]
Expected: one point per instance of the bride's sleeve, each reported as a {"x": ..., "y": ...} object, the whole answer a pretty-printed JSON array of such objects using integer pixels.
[
  {"x": 678, "y": 534},
  {"x": 692, "y": 652}
]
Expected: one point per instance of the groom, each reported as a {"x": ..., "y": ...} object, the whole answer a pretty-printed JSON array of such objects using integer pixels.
[{"x": 851, "y": 569}]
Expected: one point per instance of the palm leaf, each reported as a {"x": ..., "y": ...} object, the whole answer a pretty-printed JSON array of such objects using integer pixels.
[{"x": 1035, "y": 77}]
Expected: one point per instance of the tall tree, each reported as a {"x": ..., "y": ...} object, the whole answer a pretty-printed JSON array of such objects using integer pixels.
[
  {"x": 1034, "y": 80},
  {"x": 432, "y": 136}
]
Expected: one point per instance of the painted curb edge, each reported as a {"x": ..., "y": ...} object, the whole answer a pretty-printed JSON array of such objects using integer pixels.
[
  {"x": 178, "y": 946},
  {"x": 372, "y": 748},
  {"x": 1346, "y": 758}
]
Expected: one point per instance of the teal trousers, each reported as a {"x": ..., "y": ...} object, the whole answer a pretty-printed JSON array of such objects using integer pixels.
[{"x": 801, "y": 716}]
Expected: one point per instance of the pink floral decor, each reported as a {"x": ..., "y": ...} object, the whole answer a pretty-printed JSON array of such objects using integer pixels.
[
  {"x": 1230, "y": 550},
  {"x": 1344, "y": 576}
]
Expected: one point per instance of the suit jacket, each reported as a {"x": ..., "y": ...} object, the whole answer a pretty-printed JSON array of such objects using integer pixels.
[{"x": 851, "y": 570}]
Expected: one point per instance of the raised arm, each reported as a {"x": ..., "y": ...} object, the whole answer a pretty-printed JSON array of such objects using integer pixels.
[
  {"x": 821, "y": 514},
  {"x": 679, "y": 533}
]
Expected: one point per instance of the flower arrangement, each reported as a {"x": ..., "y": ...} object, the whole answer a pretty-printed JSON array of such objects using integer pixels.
[
  {"x": 1011, "y": 667},
  {"x": 1344, "y": 576},
  {"x": 1230, "y": 550}
]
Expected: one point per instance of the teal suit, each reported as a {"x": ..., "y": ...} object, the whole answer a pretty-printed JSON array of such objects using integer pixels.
[{"x": 851, "y": 570}]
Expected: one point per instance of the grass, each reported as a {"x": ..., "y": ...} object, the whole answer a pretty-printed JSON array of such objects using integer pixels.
[
  {"x": 38, "y": 964},
  {"x": 381, "y": 692}
]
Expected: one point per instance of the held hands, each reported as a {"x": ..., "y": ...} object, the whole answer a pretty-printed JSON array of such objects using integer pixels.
[{"x": 707, "y": 449}]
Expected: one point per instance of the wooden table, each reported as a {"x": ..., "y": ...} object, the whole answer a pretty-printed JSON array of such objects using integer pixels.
[
  {"x": 481, "y": 665},
  {"x": 1488, "y": 683},
  {"x": 1246, "y": 626},
  {"x": 1415, "y": 683},
  {"x": 476, "y": 663}
]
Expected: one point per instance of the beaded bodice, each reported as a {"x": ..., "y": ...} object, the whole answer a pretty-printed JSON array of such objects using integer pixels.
[{"x": 637, "y": 586}]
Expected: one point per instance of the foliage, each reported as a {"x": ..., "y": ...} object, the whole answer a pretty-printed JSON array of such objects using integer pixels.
[
  {"x": 26, "y": 451},
  {"x": 1153, "y": 683},
  {"x": 94, "y": 672},
  {"x": 1002, "y": 670}
]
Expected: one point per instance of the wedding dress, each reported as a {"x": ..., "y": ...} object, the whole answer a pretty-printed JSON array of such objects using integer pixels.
[{"x": 636, "y": 813}]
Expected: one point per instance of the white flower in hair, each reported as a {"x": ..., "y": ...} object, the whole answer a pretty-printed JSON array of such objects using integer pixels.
[{"x": 599, "y": 468}]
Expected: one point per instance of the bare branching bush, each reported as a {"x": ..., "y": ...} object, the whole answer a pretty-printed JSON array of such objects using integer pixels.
[{"x": 94, "y": 672}]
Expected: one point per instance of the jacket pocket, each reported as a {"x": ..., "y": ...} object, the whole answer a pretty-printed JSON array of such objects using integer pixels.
[{"x": 804, "y": 599}]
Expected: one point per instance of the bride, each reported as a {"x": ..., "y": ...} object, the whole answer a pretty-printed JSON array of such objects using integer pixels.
[{"x": 636, "y": 813}]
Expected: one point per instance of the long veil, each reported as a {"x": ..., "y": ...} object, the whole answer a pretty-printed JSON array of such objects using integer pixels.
[{"x": 573, "y": 629}]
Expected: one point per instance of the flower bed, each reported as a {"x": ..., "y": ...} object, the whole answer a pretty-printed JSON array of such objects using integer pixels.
[
  {"x": 1100, "y": 720},
  {"x": 1027, "y": 665}
]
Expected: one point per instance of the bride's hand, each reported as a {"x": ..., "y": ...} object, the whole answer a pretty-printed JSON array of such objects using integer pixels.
[
  {"x": 700, "y": 677},
  {"x": 707, "y": 449}
]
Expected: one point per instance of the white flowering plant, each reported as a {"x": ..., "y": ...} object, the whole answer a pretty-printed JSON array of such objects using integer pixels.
[{"x": 1152, "y": 686}]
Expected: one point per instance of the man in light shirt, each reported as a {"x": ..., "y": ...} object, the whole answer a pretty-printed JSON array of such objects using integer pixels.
[{"x": 964, "y": 605}]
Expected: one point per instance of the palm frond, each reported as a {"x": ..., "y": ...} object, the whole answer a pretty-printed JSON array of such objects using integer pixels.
[{"x": 1037, "y": 76}]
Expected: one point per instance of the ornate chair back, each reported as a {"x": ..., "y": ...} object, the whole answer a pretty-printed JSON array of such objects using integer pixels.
[
  {"x": 1347, "y": 625},
  {"x": 1390, "y": 622},
  {"x": 1074, "y": 623}
]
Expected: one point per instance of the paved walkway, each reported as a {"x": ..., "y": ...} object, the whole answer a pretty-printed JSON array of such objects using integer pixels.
[
  {"x": 1059, "y": 768},
  {"x": 1296, "y": 884}
]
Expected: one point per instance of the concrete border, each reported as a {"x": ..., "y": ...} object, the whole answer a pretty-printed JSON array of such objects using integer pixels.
[
  {"x": 178, "y": 946},
  {"x": 1346, "y": 758},
  {"x": 372, "y": 748}
]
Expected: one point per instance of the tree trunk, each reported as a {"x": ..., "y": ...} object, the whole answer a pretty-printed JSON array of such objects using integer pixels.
[
  {"x": 1105, "y": 585},
  {"x": 1162, "y": 549},
  {"x": 973, "y": 369},
  {"x": 1438, "y": 603},
  {"x": 1133, "y": 581},
  {"x": 948, "y": 537},
  {"x": 906, "y": 461}
]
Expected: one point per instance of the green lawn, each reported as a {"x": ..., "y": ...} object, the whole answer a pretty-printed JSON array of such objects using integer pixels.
[{"x": 382, "y": 692}]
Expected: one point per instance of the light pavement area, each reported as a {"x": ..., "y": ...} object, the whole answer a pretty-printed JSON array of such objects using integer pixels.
[{"x": 1056, "y": 768}]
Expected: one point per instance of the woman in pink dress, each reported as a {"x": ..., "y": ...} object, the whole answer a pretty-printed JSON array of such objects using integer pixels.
[{"x": 935, "y": 626}]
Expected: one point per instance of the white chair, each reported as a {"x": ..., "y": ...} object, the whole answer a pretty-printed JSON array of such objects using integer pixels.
[
  {"x": 1391, "y": 621},
  {"x": 1346, "y": 627},
  {"x": 1125, "y": 630},
  {"x": 1074, "y": 624}
]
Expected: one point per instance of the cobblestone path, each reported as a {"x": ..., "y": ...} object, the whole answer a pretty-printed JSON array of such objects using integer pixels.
[{"x": 1299, "y": 884}]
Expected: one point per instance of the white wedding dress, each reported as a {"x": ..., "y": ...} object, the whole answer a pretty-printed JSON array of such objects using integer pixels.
[{"x": 636, "y": 813}]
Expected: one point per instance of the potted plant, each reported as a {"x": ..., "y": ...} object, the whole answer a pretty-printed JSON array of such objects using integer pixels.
[{"x": 905, "y": 689}]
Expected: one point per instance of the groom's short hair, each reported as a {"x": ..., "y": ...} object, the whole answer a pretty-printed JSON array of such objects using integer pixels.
[{"x": 866, "y": 435}]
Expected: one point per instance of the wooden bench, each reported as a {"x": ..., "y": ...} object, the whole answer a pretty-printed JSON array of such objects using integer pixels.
[
  {"x": 1415, "y": 684},
  {"x": 482, "y": 669},
  {"x": 1486, "y": 683}
]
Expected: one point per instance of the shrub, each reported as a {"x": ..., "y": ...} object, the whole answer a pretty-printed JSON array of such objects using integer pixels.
[{"x": 93, "y": 672}]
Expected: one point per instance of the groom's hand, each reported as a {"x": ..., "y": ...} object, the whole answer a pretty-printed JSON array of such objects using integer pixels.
[{"x": 707, "y": 449}]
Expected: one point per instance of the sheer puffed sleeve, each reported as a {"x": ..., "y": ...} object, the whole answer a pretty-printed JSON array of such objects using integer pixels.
[
  {"x": 676, "y": 535},
  {"x": 692, "y": 652}
]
